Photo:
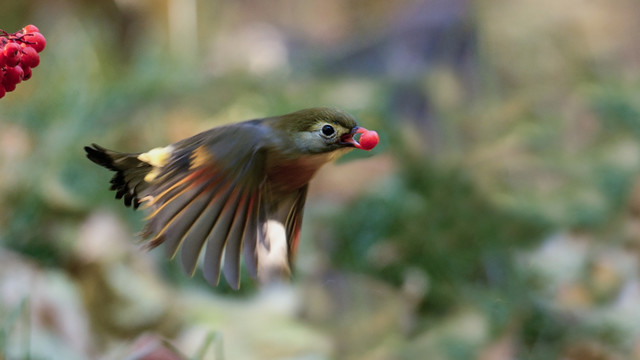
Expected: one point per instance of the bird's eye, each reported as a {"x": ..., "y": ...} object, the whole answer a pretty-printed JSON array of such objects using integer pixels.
[{"x": 327, "y": 130}]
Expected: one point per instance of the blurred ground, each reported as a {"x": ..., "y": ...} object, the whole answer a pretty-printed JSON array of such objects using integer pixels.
[{"x": 499, "y": 218}]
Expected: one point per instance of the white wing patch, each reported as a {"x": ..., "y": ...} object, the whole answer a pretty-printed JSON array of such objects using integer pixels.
[{"x": 272, "y": 256}]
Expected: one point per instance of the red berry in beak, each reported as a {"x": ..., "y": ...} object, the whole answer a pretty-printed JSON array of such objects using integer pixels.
[{"x": 366, "y": 139}]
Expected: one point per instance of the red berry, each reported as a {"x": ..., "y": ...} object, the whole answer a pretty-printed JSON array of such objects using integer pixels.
[
  {"x": 8, "y": 86},
  {"x": 2, "y": 91},
  {"x": 12, "y": 77},
  {"x": 3, "y": 61},
  {"x": 26, "y": 73},
  {"x": 30, "y": 29},
  {"x": 20, "y": 72},
  {"x": 11, "y": 48},
  {"x": 12, "y": 54},
  {"x": 368, "y": 140},
  {"x": 29, "y": 57},
  {"x": 37, "y": 40}
]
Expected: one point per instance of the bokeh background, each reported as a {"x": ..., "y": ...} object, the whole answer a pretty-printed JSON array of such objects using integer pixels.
[{"x": 499, "y": 218}]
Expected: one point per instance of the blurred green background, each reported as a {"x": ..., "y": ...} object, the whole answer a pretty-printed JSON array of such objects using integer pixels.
[{"x": 499, "y": 218}]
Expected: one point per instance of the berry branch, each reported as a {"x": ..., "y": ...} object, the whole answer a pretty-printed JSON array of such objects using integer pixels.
[{"x": 18, "y": 55}]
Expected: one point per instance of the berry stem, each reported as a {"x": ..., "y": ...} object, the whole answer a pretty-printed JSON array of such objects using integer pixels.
[{"x": 17, "y": 36}]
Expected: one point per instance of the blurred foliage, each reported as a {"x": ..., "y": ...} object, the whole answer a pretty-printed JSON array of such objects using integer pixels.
[
  {"x": 435, "y": 220},
  {"x": 507, "y": 221}
]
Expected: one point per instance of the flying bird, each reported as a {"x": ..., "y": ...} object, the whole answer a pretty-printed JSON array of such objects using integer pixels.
[{"x": 238, "y": 189}]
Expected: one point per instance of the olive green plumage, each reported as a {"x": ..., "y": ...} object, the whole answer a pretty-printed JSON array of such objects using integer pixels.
[{"x": 304, "y": 120}]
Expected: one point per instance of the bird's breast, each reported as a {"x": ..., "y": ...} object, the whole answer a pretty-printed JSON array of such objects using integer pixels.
[{"x": 285, "y": 175}]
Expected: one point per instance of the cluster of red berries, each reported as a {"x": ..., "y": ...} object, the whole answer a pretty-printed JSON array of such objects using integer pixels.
[{"x": 18, "y": 55}]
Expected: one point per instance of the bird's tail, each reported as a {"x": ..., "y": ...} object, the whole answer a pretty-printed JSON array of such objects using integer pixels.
[{"x": 129, "y": 180}]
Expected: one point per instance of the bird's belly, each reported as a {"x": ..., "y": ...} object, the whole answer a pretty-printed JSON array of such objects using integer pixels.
[{"x": 287, "y": 175}]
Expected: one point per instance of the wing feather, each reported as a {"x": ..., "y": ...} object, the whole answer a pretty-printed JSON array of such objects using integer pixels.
[
  {"x": 182, "y": 222},
  {"x": 178, "y": 198},
  {"x": 212, "y": 195},
  {"x": 231, "y": 264},
  {"x": 293, "y": 223},
  {"x": 195, "y": 240},
  {"x": 216, "y": 243},
  {"x": 251, "y": 235}
]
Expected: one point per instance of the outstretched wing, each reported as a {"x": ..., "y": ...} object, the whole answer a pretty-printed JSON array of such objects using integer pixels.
[{"x": 209, "y": 192}]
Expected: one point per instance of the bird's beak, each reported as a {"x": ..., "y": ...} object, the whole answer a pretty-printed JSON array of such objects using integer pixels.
[{"x": 360, "y": 138}]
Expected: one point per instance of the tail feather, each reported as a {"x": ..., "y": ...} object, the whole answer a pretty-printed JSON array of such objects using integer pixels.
[{"x": 128, "y": 181}]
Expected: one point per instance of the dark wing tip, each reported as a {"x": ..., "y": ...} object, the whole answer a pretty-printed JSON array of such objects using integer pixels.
[
  {"x": 129, "y": 170},
  {"x": 99, "y": 155}
]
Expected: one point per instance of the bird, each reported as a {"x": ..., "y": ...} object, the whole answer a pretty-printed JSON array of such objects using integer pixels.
[{"x": 233, "y": 191}]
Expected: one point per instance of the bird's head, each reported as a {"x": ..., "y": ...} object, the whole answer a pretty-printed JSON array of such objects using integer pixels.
[{"x": 322, "y": 130}]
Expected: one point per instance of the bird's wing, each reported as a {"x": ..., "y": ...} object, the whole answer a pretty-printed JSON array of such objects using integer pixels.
[
  {"x": 281, "y": 219},
  {"x": 293, "y": 223},
  {"x": 209, "y": 191}
]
